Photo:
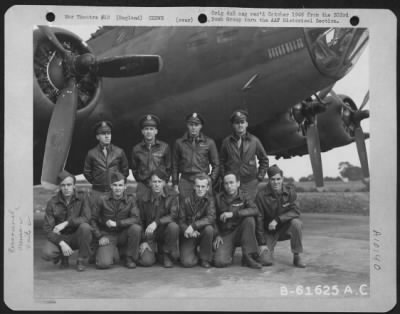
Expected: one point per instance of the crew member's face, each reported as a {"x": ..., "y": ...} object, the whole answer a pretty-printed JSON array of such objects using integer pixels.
[
  {"x": 118, "y": 188},
  {"x": 194, "y": 129},
  {"x": 67, "y": 187},
  {"x": 201, "y": 187},
  {"x": 240, "y": 127},
  {"x": 231, "y": 185},
  {"x": 157, "y": 184},
  {"x": 276, "y": 182},
  {"x": 149, "y": 133},
  {"x": 104, "y": 138}
]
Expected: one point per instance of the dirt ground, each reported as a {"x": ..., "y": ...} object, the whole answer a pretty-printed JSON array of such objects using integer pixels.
[{"x": 336, "y": 253}]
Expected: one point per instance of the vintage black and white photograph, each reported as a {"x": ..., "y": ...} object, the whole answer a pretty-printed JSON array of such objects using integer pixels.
[{"x": 227, "y": 163}]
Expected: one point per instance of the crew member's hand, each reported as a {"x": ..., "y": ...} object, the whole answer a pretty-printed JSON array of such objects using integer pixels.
[
  {"x": 195, "y": 234},
  {"x": 57, "y": 229},
  {"x": 176, "y": 188},
  {"x": 144, "y": 246},
  {"x": 225, "y": 216},
  {"x": 150, "y": 229},
  {"x": 66, "y": 249},
  {"x": 104, "y": 241},
  {"x": 262, "y": 248},
  {"x": 272, "y": 225},
  {"x": 217, "y": 242},
  {"x": 111, "y": 223},
  {"x": 188, "y": 232}
]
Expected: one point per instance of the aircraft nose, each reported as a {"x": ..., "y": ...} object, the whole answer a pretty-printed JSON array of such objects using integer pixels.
[{"x": 336, "y": 50}]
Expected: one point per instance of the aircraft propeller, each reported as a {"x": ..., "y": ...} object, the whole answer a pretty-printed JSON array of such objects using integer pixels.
[
  {"x": 66, "y": 74},
  {"x": 352, "y": 119},
  {"x": 304, "y": 114}
]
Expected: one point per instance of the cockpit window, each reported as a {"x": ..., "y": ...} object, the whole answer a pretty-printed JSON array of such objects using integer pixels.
[{"x": 336, "y": 50}]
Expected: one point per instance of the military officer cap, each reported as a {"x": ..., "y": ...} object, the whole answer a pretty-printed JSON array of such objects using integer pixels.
[
  {"x": 149, "y": 120},
  {"x": 195, "y": 118},
  {"x": 273, "y": 170},
  {"x": 116, "y": 176},
  {"x": 239, "y": 115},
  {"x": 63, "y": 175},
  {"x": 160, "y": 173},
  {"x": 102, "y": 127}
]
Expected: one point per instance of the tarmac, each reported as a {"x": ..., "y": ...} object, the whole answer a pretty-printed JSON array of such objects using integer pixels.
[{"x": 336, "y": 251}]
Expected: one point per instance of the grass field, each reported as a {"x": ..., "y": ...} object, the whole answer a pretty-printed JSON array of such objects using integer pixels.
[
  {"x": 333, "y": 186},
  {"x": 338, "y": 197}
]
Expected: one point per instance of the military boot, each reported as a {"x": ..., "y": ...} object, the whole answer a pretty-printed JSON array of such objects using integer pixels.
[
  {"x": 248, "y": 261},
  {"x": 64, "y": 262},
  {"x": 168, "y": 263},
  {"x": 80, "y": 265},
  {"x": 297, "y": 261}
]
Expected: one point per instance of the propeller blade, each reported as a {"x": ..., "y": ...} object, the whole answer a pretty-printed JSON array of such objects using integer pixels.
[
  {"x": 324, "y": 92},
  {"x": 314, "y": 150},
  {"x": 59, "y": 135},
  {"x": 362, "y": 151},
  {"x": 366, "y": 98},
  {"x": 123, "y": 66},
  {"x": 50, "y": 35}
]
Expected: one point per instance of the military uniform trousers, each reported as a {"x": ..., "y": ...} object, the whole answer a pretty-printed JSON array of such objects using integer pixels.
[
  {"x": 93, "y": 196},
  {"x": 126, "y": 241},
  {"x": 250, "y": 188},
  {"x": 165, "y": 239},
  {"x": 188, "y": 247},
  {"x": 244, "y": 236},
  {"x": 79, "y": 240},
  {"x": 291, "y": 230}
]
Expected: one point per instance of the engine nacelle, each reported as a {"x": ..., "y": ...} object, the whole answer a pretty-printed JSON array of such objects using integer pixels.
[{"x": 284, "y": 136}]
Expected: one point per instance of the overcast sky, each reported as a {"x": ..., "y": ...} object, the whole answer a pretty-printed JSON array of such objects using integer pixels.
[{"x": 355, "y": 84}]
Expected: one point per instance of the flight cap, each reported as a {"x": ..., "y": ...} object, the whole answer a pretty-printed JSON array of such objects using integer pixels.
[
  {"x": 149, "y": 120},
  {"x": 239, "y": 115},
  {"x": 273, "y": 170},
  {"x": 102, "y": 127},
  {"x": 63, "y": 175},
  {"x": 195, "y": 118}
]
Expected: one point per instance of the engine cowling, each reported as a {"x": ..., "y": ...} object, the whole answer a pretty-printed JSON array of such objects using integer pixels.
[{"x": 51, "y": 75}]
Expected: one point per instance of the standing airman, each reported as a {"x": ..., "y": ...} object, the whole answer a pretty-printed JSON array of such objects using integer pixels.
[
  {"x": 149, "y": 154},
  {"x": 104, "y": 159},
  {"x": 238, "y": 153},
  {"x": 193, "y": 153}
]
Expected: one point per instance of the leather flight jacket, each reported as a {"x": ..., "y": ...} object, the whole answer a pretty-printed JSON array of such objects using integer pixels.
[
  {"x": 196, "y": 212},
  {"x": 123, "y": 211},
  {"x": 146, "y": 159},
  {"x": 240, "y": 206},
  {"x": 191, "y": 158},
  {"x": 282, "y": 208},
  {"x": 98, "y": 167},
  {"x": 76, "y": 212},
  {"x": 243, "y": 159}
]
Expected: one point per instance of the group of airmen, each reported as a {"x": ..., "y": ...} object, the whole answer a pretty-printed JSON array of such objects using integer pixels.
[{"x": 188, "y": 222}]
